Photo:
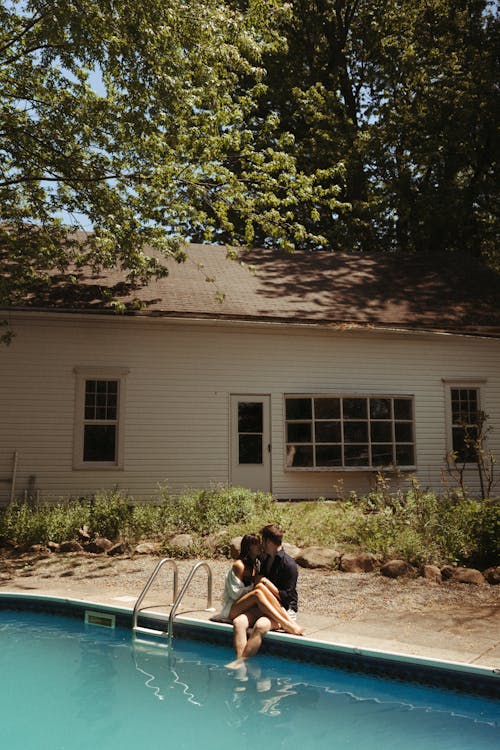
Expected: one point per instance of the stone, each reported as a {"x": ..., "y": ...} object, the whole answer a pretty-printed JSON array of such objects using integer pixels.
[
  {"x": 181, "y": 541},
  {"x": 120, "y": 548},
  {"x": 291, "y": 550},
  {"x": 98, "y": 546},
  {"x": 363, "y": 562},
  {"x": 147, "y": 548},
  {"x": 447, "y": 572},
  {"x": 210, "y": 543},
  {"x": 395, "y": 569},
  {"x": 234, "y": 546},
  {"x": 432, "y": 573},
  {"x": 318, "y": 557},
  {"x": 492, "y": 575},
  {"x": 469, "y": 575},
  {"x": 53, "y": 546},
  {"x": 70, "y": 546}
]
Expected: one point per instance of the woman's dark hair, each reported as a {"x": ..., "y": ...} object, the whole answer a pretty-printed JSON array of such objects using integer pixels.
[{"x": 247, "y": 541}]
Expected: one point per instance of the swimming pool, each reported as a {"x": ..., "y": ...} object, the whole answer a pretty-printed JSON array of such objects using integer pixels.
[{"x": 70, "y": 685}]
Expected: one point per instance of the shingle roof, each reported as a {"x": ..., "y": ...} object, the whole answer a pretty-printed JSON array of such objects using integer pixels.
[{"x": 423, "y": 292}]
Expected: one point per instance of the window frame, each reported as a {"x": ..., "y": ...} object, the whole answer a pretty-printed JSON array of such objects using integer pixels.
[
  {"x": 462, "y": 384},
  {"x": 82, "y": 375},
  {"x": 349, "y": 467}
]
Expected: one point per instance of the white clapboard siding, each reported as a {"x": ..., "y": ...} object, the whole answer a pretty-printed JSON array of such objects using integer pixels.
[{"x": 180, "y": 378}]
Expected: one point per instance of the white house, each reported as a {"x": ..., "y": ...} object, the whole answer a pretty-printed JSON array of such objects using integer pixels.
[{"x": 302, "y": 375}]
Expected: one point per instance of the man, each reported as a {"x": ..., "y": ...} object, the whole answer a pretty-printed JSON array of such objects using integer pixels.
[
  {"x": 281, "y": 572},
  {"x": 279, "y": 568}
]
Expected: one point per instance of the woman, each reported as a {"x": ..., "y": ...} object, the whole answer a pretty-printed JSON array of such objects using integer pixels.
[
  {"x": 240, "y": 579},
  {"x": 243, "y": 596}
]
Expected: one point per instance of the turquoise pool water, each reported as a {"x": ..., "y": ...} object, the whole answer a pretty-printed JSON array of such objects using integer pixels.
[{"x": 70, "y": 685}]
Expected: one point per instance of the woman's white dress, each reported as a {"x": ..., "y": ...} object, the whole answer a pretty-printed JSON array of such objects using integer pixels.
[{"x": 234, "y": 589}]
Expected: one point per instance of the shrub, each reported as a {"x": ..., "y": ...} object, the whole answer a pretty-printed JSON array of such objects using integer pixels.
[
  {"x": 487, "y": 551},
  {"x": 145, "y": 520},
  {"x": 206, "y": 511},
  {"x": 27, "y": 524},
  {"x": 110, "y": 514}
]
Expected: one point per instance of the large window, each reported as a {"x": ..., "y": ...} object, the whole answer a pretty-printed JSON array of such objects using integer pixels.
[
  {"x": 333, "y": 432},
  {"x": 464, "y": 422},
  {"x": 100, "y": 398}
]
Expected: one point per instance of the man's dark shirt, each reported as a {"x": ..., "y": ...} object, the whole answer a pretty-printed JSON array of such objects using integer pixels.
[{"x": 283, "y": 573}]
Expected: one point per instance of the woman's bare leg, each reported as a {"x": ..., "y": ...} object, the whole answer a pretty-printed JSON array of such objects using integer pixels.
[{"x": 269, "y": 608}]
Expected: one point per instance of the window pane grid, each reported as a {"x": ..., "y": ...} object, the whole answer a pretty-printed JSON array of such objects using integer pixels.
[
  {"x": 101, "y": 400},
  {"x": 349, "y": 431},
  {"x": 100, "y": 421},
  {"x": 464, "y": 416}
]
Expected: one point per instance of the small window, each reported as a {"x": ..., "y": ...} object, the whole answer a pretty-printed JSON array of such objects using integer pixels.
[
  {"x": 365, "y": 432},
  {"x": 99, "y": 418},
  {"x": 464, "y": 423}
]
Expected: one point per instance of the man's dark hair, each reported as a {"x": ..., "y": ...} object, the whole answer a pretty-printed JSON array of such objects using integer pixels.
[{"x": 274, "y": 532}]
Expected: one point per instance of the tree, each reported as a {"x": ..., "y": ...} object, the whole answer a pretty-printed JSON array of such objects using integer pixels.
[
  {"x": 129, "y": 117},
  {"x": 394, "y": 102}
]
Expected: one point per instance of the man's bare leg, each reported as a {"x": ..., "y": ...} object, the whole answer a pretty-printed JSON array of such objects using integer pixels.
[
  {"x": 262, "y": 626},
  {"x": 240, "y": 627}
]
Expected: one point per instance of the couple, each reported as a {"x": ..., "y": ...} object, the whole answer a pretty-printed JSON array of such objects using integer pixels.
[{"x": 258, "y": 594}]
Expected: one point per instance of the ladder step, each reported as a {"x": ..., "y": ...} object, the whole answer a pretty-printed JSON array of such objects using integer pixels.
[{"x": 149, "y": 631}]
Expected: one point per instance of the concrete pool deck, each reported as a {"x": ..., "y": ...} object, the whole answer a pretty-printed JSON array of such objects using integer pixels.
[{"x": 469, "y": 636}]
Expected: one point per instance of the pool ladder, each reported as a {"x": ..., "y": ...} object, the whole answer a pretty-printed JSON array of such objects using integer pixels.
[{"x": 177, "y": 596}]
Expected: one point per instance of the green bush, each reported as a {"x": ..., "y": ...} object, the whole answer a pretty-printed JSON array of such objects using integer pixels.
[
  {"x": 420, "y": 527},
  {"x": 145, "y": 520},
  {"x": 206, "y": 511},
  {"x": 26, "y": 524},
  {"x": 487, "y": 552},
  {"x": 417, "y": 526},
  {"x": 110, "y": 514}
]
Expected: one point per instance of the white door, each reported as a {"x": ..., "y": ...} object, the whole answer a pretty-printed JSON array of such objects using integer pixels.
[{"x": 250, "y": 442}]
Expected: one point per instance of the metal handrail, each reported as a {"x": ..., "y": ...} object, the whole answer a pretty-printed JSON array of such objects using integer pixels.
[
  {"x": 148, "y": 586},
  {"x": 183, "y": 591}
]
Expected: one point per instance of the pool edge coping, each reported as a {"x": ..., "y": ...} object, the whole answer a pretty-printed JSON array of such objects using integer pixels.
[{"x": 298, "y": 643}]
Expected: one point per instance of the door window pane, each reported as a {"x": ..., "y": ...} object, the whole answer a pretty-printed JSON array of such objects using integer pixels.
[
  {"x": 250, "y": 416},
  {"x": 250, "y": 449}
]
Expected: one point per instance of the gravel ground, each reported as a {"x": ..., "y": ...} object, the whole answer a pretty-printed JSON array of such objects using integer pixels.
[{"x": 346, "y": 596}]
